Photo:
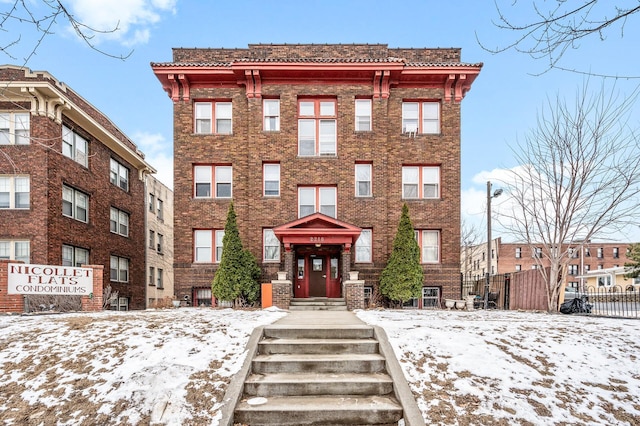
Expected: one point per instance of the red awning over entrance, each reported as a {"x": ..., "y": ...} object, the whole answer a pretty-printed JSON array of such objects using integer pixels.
[{"x": 317, "y": 229}]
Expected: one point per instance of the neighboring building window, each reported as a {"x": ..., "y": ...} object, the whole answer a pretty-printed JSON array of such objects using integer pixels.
[
  {"x": 271, "y": 246},
  {"x": 222, "y": 176},
  {"x": 429, "y": 243},
  {"x": 364, "y": 247},
  {"x": 74, "y": 146},
  {"x": 317, "y": 127},
  {"x": 587, "y": 268},
  {"x": 152, "y": 203},
  {"x": 119, "y": 222},
  {"x": 14, "y": 128},
  {"x": 573, "y": 269},
  {"x": 363, "y": 180},
  {"x": 604, "y": 281},
  {"x": 15, "y": 250},
  {"x": 518, "y": 267},
  {"x": 160, "y": 279},
  {"x": 421, "y": 117},
  {"x": 600, "y": 253},
  {"x": 518, "y": 252},
  {"x": 600, "y": 267},
  {"x": 587, "y": 252},
  {"x": 119, "y": 175},
  {"x": 74, "y": 256},
  {"x": 160, "y": 243},
  {"x": 616, "y": 252},
  {"x": 14, "y": 192},
  {"x": 152, "y": 276},
  {"x": 160, "y": 209},
  {"x": 271, "y": 179},
  {"x": 312, "y": 199},
  {"x": 430, "y": 297},
  {"x": 204, "y": 249},
  {"x": 152, "y": 239},
  {"x": 271, "y": 114},
  {"x": 363, "y": 115},
  {"x": 119, "y": 269},
  {"x": 537, "y": 252},
  {"x": 420, "y": 182},
  {"x": 75, "y": 204},
  {"x": 219, "y": 113}
]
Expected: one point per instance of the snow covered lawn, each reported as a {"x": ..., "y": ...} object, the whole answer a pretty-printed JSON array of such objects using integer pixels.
[{"x": 172, "y": 367}]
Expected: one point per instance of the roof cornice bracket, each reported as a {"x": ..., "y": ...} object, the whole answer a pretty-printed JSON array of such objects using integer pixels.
[
  {"x": 381, "y": 84},
  {"x": 186, "y": 86}
]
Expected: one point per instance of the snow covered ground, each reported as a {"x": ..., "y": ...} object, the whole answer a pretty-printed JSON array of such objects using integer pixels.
[{"x": 171, "y": 367}]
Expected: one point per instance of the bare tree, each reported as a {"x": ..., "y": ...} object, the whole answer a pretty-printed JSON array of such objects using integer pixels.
[
  {"x": 579, "y": 179},
  {"x": 470, "y": 238},
  {"x": 557, "y": 26},
  {"x": 41, "y": 17}
]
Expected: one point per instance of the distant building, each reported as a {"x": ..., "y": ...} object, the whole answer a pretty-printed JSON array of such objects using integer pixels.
[
  {"x": 160, "y": 243},
  {"x": 514, "y": 257},
  {"x": 318, "y": 146},
  {"x": 71, "y": 183}
]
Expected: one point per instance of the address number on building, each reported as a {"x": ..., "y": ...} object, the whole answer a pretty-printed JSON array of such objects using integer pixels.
[{"x": 316, "y": 239}]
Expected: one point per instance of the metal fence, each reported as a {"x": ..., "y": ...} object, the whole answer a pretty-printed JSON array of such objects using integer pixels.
[{"x": 613, "y": 302}]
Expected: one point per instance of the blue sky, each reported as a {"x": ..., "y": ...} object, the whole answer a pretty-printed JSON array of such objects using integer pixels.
[{"x": 500, "y": 108}]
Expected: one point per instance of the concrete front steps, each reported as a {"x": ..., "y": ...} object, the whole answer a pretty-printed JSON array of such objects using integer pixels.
[
  {"x": 325, "y": 374},
  {"x": 318, "y": 304}
]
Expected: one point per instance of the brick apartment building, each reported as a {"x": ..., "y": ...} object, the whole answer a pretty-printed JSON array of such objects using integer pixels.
[
  {"x": 71, "y": 183},
  {"x": 514, "y": 257},
  {"x": 318, "y": 146},
  {"x": 160, "y": 243}
]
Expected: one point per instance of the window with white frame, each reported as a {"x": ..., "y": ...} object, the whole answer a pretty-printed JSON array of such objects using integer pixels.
[
  {"x": 15, "y": 128},
  {"x": 312, "y": 199},
  {"x": 160, "y": 243},
  {"x": 15, "y": 192},
  {"x": 160, "y": 210},
  {"x": 271, "y": 179},
  {"x": 221, "y": 176},
  {"x": 74, "y": 146},
  {"x": 363, "y": 115},
  {"x": 600, "y": 252},
  {"x": 152, "y": 276},
  {"x": 518, "y": 267},
  {"x": 429, "y": 243},
  {"x": 15, "y": 250},
  {"x": 160, "y": 282},
  {"x": 208, "y": 245},
  {"x": 271, "y": 246},
  {"x": 364, "y": 252},
  {"x": 119, "y": 175},
  {"x": 616, "y": 252},
  {"x": 75, "y": 204},
  {"x": 317, "y": 133},
  {"x": 573, "y": 269},
  {"x": 119, "y": 271},
  {"x": 420, "y": 182},
  {"x": 421, "y": 117},
  {"x": 271, "y": 114},
  {"x": 119, "y": 222},
  {"x": 218, "y": 112},
  {"x": 74, "y": 256},
  {"x": 363, "y": 180},
  {"x": 537, "y": 252},
  {"x": 430, "y": 297},
  {"x": 152, "y": 239}
]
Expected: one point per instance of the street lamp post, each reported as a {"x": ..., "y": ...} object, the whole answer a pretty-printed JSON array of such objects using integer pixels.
[{"x": 496, "y": 193}]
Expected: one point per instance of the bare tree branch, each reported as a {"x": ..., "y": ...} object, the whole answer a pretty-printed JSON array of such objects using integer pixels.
[
  {"x": 556, "y": 28},
  {"x": 579, "y": 179}
]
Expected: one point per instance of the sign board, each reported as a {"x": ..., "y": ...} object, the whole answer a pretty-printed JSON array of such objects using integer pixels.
[{"x": 49, "y": 280}]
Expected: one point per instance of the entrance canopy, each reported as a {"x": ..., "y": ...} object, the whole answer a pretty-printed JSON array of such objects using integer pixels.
[{"x": 317, "y": 229}]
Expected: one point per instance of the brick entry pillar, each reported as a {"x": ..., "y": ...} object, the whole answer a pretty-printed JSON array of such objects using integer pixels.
[
  {"x": 354, "y": 294},
  {"x": 281, "y": 293},
  {"x": 9, "y": 302},
  {"x": 346, "y": 265},
  {"x": 288, "y": 263}
]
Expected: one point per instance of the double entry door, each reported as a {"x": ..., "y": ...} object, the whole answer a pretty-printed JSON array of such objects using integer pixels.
[{"x": 317, "y": 275}]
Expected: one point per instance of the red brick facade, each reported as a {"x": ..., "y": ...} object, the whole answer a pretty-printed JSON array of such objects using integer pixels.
[
  {"x": 52, "y": 105},
  {"x": 342, "y": 73}
]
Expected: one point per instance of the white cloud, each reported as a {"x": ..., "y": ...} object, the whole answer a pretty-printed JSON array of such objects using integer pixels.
[
  {"x": 158, "y": 154},
  {"x": 132, "y": 18}
]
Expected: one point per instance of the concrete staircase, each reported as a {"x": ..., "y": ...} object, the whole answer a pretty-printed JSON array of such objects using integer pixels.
[
  {"x": 318, "y": 304},
  {"x": 330, "y": 374}
]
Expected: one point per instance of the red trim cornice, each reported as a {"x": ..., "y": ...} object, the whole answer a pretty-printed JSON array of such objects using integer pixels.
[{"x": 454, "y": 80}]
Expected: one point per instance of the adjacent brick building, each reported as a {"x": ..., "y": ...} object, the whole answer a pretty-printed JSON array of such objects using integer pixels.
[
  {"x": 514, "y": 257},
  {"x": 160, "y": 243},
  {"x": 71, "y": 183},
  {"x": 318, "y": 146}
]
